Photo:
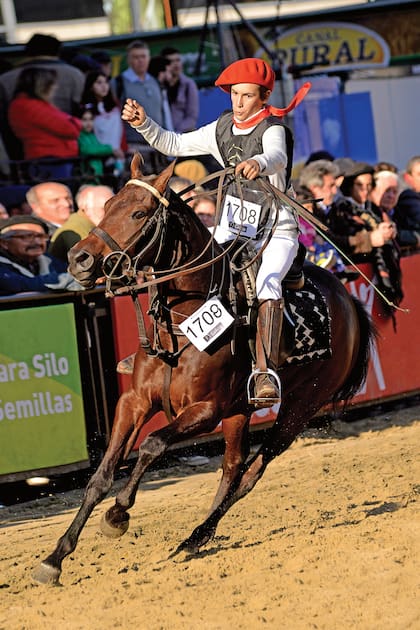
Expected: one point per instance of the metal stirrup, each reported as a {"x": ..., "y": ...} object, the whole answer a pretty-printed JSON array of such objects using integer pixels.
[{"x": 252, "y": 400}]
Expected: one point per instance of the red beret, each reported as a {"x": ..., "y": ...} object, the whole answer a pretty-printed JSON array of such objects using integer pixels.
[{"x": 248, "y": 70}]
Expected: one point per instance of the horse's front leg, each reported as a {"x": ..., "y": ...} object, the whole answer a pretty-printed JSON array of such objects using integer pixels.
[
  {"x": 195, "y": 419},
  {"x": 123, "y": 436},
  {"x": 236, "y": 436}
]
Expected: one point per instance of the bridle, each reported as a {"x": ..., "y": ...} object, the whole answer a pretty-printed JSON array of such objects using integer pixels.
[
  {"x": 128, "y": 265},
  {"x": 119, "y": 258}
]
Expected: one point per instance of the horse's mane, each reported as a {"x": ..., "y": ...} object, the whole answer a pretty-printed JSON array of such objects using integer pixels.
[{"x": 185, "y": 215}]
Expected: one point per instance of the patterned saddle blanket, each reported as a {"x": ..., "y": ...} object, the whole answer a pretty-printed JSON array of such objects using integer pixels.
[{"x": 307, "y": 311}]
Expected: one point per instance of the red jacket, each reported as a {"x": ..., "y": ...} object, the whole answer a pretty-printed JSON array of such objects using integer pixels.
[{"x": 45, "y": 131}]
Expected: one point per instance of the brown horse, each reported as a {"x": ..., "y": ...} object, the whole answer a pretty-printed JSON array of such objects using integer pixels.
[{"x": 151, "y": 226}]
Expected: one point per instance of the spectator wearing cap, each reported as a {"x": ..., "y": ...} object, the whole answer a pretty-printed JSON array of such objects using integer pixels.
[
  {"x": 351, "y": 216},
  {"x": 41, "y": 51},
  {"x": 319, "y": 155},
  {"x": 182, "y": 93},
  {"x": 90, "y": 202},
  {"x": 365, "y": 235},
  {"x": 85, "y": 63},
  {"x": 192, "y": 169},
  {"x": 24, "y": 265},
  {"x": 52, "y": 202}
]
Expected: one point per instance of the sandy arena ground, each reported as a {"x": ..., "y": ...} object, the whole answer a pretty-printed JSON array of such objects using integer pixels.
[{"x": 328, "y": 539}]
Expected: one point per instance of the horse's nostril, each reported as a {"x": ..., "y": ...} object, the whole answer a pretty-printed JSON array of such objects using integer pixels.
[{"x": 82, "y": 259}]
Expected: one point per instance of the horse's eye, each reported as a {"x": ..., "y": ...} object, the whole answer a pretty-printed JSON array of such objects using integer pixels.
[{"x": 138, "y": 214}]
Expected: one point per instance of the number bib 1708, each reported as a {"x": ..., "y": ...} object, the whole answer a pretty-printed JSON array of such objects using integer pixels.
[
  {"x": 240, "y": 216},
  {"x": 207, "y": 323}
]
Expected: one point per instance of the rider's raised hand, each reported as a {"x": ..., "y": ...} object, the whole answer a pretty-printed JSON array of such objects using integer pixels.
[{"x": 133, "y": 113}]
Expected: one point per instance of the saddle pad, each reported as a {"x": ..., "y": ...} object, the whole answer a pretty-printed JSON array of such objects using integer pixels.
[{"x": 308, "y": 311}]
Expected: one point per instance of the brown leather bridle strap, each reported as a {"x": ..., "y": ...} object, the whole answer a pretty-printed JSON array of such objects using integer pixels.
[
  {"x": 150, "y": 188},
  {"x": 113, "y": 245}
]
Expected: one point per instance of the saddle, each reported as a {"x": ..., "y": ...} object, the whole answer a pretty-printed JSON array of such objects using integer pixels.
[{"x": 245, "y": 263}]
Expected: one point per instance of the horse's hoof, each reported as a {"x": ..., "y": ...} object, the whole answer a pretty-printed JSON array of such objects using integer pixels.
[
  {"x": 113, "y": 531},
  {"x": 46, "y": 574},
  {"x": 185, "y": 547},
  {"x": 193, "y": 544}
]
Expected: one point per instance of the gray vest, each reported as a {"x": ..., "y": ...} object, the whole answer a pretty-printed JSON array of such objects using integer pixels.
[{"x": 235, "y": 149}]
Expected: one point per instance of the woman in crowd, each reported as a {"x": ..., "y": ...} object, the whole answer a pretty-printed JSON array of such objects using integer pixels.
[
  {"x": 44, "y": 130},
  {"x": 107, "y": 123}
]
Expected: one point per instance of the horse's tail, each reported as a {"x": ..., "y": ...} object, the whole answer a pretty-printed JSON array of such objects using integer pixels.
[{"x": 358, "y": 373}]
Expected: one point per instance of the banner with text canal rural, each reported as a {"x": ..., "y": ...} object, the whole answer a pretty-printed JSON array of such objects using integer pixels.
[{"x": 42, "y": 421}]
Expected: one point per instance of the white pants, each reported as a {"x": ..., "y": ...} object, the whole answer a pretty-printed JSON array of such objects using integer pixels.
[{"x": 277, "y": 259}]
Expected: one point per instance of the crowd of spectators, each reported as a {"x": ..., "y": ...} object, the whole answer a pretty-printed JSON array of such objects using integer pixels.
[
  {"x": 59, "y": 108},
  {"x": 59, "y": 86},
  {"x": 362, "y": 208}
]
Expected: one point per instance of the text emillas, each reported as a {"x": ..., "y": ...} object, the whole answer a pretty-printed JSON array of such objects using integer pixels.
[
  {"x": 39, "y": 404},
  {"x": 41, "y": 366}
]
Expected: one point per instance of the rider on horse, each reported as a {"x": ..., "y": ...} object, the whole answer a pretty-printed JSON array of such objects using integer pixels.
[{"x": 253, "y": 140}]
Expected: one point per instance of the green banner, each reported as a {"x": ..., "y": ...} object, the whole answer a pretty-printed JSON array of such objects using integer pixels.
[{"x": 42, "y": 421}]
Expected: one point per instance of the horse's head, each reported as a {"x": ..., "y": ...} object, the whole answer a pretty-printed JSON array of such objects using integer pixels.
[{"x": 127, "y": 215}]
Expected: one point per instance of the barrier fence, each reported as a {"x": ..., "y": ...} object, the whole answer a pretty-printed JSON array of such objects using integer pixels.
[{"x": 59, "y": 386}]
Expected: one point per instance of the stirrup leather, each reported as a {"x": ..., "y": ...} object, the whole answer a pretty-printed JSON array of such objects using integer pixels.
[{"x": 257, "y": 401}]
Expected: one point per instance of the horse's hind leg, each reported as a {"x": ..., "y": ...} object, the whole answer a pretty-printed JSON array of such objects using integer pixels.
[
  {"x": 50, "y": 569},
  {"x": 276, "y": 440}
]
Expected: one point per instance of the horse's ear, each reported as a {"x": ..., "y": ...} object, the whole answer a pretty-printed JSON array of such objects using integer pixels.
[
  {"x": 162, "y": 179},
  {"x": 136, "y": 162}
]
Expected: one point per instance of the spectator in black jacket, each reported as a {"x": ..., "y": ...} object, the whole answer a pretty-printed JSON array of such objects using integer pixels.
[{"x": 407, "y": 210}]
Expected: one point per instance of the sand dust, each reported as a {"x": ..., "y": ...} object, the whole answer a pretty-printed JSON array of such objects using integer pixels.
[{"x": 328, "y": 539}]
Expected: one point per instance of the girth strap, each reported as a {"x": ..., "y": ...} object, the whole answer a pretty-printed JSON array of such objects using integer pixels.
[
  {"x": 144, "y": 339},
  {"x": 166, "y": 400}
]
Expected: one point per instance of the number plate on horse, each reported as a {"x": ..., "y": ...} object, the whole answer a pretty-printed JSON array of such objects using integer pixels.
[
  {"x": 207, "y": 323},
  {"x": 240, "y": 216}
]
